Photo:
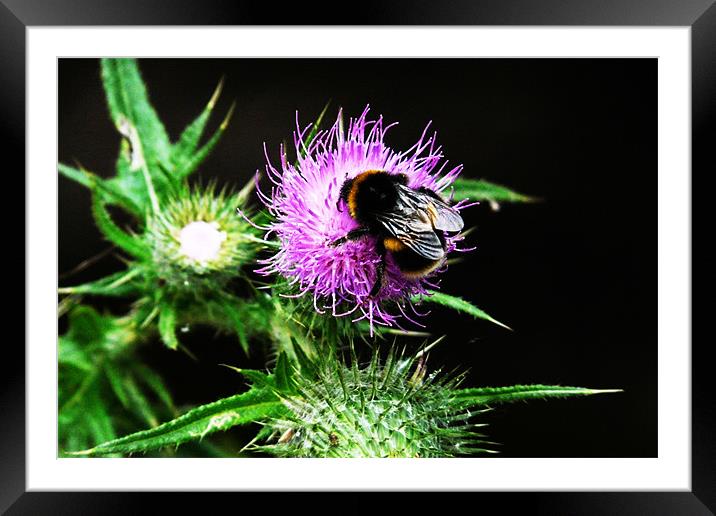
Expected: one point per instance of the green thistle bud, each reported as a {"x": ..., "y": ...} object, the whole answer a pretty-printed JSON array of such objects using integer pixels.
[
  {"x": 193, "y": 243},
  {"x": 199, "y": 242},
  {"x": 389, "y": 410}
]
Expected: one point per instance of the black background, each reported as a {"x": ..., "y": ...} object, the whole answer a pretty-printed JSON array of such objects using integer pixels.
[{"x": 574, "y": 275}]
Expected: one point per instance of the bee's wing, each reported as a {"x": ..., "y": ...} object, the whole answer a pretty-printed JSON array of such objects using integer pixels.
[
  {"x": 441, "y": 214},
  {"x": 448, "y": 218},
  {"x": 415, "y": 218},
  {"x": 414, "y": 231}
]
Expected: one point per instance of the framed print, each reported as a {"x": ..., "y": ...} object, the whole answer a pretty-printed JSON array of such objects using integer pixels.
[{"x": 418, "y": 254}]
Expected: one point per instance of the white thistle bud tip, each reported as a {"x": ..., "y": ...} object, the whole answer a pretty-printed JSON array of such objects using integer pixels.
[{"x": 201, "y": 241}]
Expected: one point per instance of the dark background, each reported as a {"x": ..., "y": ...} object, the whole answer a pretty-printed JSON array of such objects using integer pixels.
[{"x": 574, "y": 275}]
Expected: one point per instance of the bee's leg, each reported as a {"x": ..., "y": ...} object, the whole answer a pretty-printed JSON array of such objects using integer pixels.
[
  {"x": 380, "y": 270},
  {"x": 353, "y": 234}
]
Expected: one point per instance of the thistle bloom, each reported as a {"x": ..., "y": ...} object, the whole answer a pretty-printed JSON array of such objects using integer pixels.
[{"x": 307, "y": 219}]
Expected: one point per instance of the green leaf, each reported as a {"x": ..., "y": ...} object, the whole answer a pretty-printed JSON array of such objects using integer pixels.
[
  {"x": 243, "y": 196},
  {"x": 459, "y": 305},
  {"x": 241, "y": 335},
  {"x": 235, "y": 313},
  {"x": 283, "y": 374},
  {"x": 139, "y": 402},
  {"x": 112, "y": 192},
  {"x": 199, "y": 156},
  {"x": 134, "y": 188},
  {"x": 87, "y": 327},
  {"x": 118, "y": 284},
  {"x": 83, "y": 177},
  {"x": 314, "y": 131},
  {"x": 308, "y": 368},
  {"x": 241, "y": 409},
  {"x": 479, "y": 190},
  {"x": 145, "y": 150},
  {"x": 257, "y": 378},
  {"x": 129, "y": 243},
  {"x": 155, "y": 383},
  {"x": 167, "y": 325},
  {"x": 495, "y": 395},
  {"x": 189, "y": 139},
  {"x": 71, "y": 354},
  {"x": 96, "y": 417},
  {"x": 130, "y": 179},
  {"x": 117, "y": 382},
  {"x": 264, "y": 433},
  {"x": 86, "y": 424},
  {"x": 93, "y": 377},
  {"x": 128, "y": 101}
]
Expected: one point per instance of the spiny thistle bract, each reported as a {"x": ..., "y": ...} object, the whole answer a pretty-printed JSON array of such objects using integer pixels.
[
  {"x": 181, "y": 264},
  {"x": 198, "y": 242},
  {"x": 382, "y": 410},
  {"x": 307, "y": 219},
  {"x": 198, "y": 245}
]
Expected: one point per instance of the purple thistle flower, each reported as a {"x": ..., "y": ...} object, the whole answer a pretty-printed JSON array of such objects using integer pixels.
[{"x": 306, "y": 218}]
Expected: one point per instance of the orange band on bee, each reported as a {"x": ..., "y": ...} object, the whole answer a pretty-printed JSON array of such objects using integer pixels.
[
  {"x": 393, "y": 244},
  {"x": 423, "y": 271},
  {"x": 354, "y": 190}
]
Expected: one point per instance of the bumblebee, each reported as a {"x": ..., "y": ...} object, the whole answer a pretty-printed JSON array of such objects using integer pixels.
[{"x": 407, "y": 222}]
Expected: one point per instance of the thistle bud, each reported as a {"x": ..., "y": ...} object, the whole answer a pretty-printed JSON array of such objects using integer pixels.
[
  {"x": 388, "y": 410},
  {"x": 198, "y": 242}
]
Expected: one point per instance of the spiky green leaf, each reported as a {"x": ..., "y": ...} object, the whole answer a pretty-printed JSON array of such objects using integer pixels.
[
  {"x": 283, "y": 374},
  {"x": 141, "y": 405},
  {"x": 235, "y": 313},
  {"x": 99, "y": 420},
  {"x": 129, "y": 243},
  {"x": 167, "y": 325},
  {"x": 306, "y": 365},
  {"x": 479, "y": 190},
  {"x": 112, "y": 192},
  {"x": 485, "y": 396},
  {"x": 191, "y": 164},
  {"x": 185, "y": 147},
  {"x": 129, "y": 102},
  {"x": 118, "y": 284},
  {"x": 458, "y": 304},
  {"x": 313, "y": 131},
  {"x": 86, "y": 326},
  {"x": 258, "y": 378},
  {"x": 117, "y": 382},
  {"x": 254, "y": 405},
  {"x": 70, "y": 353},
  {"x": 155, "y": 382},
  {"x": 130, "y": 179}
]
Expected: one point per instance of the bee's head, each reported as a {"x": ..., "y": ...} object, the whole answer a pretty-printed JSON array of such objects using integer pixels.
[
  {"x": 375, "y": 191},
  {"x": 370, "y": 192}
]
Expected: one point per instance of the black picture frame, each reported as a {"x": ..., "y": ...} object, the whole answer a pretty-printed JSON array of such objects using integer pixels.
[{"x": 17, "y": 15}]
